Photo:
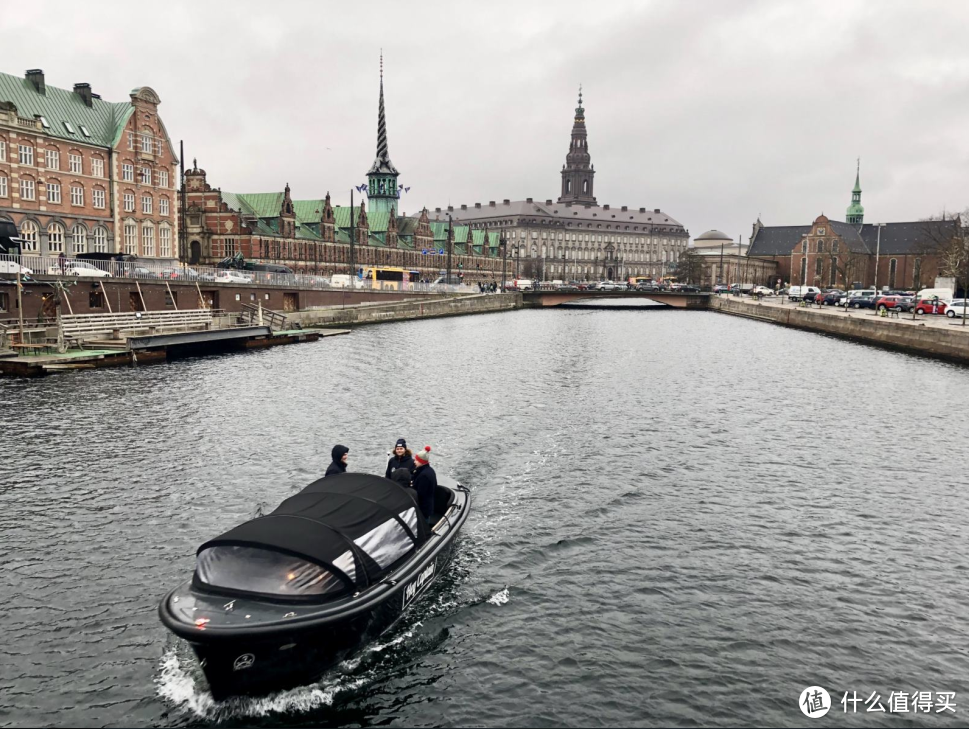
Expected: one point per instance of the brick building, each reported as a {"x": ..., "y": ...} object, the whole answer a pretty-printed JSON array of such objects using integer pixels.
[
  {"x": 313, "y": 236},
  {"x": 855, "y": 253},
  {"x": 575, "y": 237},
  {"x": 82, "y": 175}
]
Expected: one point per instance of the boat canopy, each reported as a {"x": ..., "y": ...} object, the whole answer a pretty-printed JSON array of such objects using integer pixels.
[{"x": 337, "y": 535}]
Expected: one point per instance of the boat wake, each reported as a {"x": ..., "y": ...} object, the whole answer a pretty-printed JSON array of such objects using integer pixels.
[{"x": 499, "y": 598}]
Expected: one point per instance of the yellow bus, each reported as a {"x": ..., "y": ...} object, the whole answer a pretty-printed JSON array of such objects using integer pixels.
[{"x": 391, "y": 277}]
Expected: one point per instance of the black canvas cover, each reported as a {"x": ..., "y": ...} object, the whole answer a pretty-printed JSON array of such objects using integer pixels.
[{"x": 321, "y": 522}]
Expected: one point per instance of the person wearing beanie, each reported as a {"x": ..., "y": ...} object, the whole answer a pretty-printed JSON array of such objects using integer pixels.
[
  {"x": 401, "y": 476},
  {"x": 425, "y": 482},
  {"x": 401, "y": 458},
  {"x": 339, "y": 464}
]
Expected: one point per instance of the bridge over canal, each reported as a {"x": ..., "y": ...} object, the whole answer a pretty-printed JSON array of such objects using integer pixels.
[{"x": 670, "y": 299}]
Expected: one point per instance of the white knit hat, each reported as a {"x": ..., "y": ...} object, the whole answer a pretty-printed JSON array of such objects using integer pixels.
[{"x": 421, "y": 458}]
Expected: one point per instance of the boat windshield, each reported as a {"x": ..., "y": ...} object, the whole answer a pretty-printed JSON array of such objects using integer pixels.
[{"x": 252, "y": 569}]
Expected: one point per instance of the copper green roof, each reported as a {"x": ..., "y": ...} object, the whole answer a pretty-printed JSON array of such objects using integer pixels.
[
  {"x": 309, "y": 211},
  {"x": 264, "y": 204},
  {"x": 378, "y": 221},
  {"x": 104, "y": 120},
  {"x": 341, "y": 215},
  {"x": 439, "y": 230}
]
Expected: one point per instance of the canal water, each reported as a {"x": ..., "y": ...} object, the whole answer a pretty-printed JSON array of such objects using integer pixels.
[{"x": 680, "y": 519}]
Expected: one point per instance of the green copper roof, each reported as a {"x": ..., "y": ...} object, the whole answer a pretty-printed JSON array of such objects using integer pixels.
[
  {"x": 341, "y": 215},
  {"x": 104, "y": 120},
  {"x": 265, "y": 204},
  {"x": 378, "y": 221},
  {"x": 309, "y": 211}
]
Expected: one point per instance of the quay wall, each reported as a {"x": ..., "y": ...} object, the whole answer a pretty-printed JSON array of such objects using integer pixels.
[
  {"x": 407, "y": 310},
  {"x": 948, "y": 343}
]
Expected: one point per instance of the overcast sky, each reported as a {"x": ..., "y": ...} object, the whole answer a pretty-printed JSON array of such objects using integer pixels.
[{"x": 713, "y": 111}]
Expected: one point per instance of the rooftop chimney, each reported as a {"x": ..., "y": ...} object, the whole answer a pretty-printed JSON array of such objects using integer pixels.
[
  {"x": 491, "y": 203},
  {"x": 605, "y": 207},
  {"x": 506, "y": 202},
  {"x": 477, "y": 206},
  {"x": 464, "y": 207},
  {"x": 528, "y": 199},
  {"x": 450, "y": 208},
  {"x": 548, "y": 202},
  {"x": 655, "y": 210},
  {"x": 624, "y": 208},
  {"x": 437, "y": 210},
  {"x": 36, "y": 77},
  {"x": 642, "y": 210},
  {"x": 84, "y": 91}
]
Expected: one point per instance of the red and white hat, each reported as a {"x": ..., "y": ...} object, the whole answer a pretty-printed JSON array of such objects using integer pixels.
[{"x": 421, "y": 458}]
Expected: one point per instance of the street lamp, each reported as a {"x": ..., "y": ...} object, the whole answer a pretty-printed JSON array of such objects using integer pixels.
[
  {"x": 878, "y": 248},
  {"x": 448, "y": 280},
  {"x": 502, "y": 248}
]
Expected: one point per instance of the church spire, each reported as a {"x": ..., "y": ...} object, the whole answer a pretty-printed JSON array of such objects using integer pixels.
[
  {"x": 578, "y": 171},
  {"x": 383, "y": 175},
  {"x": 856, "y": 213}
]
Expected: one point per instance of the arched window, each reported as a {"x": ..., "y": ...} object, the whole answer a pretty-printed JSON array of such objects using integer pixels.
[
  {"x": 100, "y": 240},
  {"x": 28, "y": 233},
  {"x": 78, "y": 239},
  {"x": 892, "y": 269},
  {"x": 820, "y": 246},
  {"x": 585, "y": 186},
  {"x": 55, "y": 238},
  {"x": 568, "y": 185}
]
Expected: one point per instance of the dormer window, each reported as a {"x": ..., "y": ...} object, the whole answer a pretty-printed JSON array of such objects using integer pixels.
[
  {"x": 43, "y": 122},
  {"x": 70, "y": 128}
]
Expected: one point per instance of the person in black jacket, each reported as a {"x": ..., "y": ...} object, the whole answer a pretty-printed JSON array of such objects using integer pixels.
[
  {"x": 339, "y": 465},
  {"x": 425, "y": 482},
  {"x": 401, "y": 458}
]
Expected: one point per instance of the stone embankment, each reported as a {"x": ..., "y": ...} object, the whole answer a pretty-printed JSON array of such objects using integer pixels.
[
  {"x": 403, "y": 311},
  {"x": 932, "y": 336}
]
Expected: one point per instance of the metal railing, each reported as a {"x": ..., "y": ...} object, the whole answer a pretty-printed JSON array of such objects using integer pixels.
[{"x": 151, "y": 270}]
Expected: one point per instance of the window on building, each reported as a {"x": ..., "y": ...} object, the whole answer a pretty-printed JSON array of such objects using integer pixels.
[
  {"x": 52, "y": 159},
  {"x": 146, "y": 204},
  {"x": 171, "y": 298},
  {"x": 53, "y": 192},
  {"x": 158, "y": 146},
  {"x": 834, "y": 271},
  {"x": 78, "y": 239},
  {"x": 892, "y": 269},
  {"x": 818, "y": 267},
  {"x": 163, "y": 178},
  {"x": 148, "y": 240},
  {"x": 55, "y": 238},
  {"x": 84, "y": 131},
  {"x": 26, "y": 154},
  {"x": 70, "y": 128},
  {"x": 131, "y": 239},
  {"x": 100, "y": 240},
  {"x": 127, "y": 172},
  {"x": 834, "y": 246},
  {"x": 4, "y": 302},
  {"x": 128, "y": 200},
  {"x": 26, "y": 189},
  {"x": 146, "y": 145},
  {"x": 131, "y": 140},
  {"x": 77, "y": 195},
  {"x": 146, "y": 175},
  {"x": 163, "y": 205},
  {"x": 4, "y": 190},
  {"x": 803, "y": 246},
  {"x": 165, "y": 242},
  {"x": 3, "y": 150},
  {"x": 97, "y": 167},
  {"x": 29, "y": 236},
  {"x": 96, "y": 299},
  {"x": 97, "y": 197},
  {"x": 820, "y": 246},
  {"x": 75, "y": 162}
]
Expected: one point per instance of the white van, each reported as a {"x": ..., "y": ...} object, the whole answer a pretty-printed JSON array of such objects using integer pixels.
[
  {"x": 342, "y": 281},
  {"x": 14, "y": 267},
  {"x": 943, "y": 294},
  {"x": 523, "y": 284},
  {"x": 796, "y": 293}
]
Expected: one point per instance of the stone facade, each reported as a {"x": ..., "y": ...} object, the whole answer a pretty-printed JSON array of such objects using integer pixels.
[
  {"x": 81, "y": 175},
  {"x": 575, "y": 238}
]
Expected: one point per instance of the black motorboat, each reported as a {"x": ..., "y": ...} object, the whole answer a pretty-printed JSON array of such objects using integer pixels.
[{"x": 278, "y": 600}]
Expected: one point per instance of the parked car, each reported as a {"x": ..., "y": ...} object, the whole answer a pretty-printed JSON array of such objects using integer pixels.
[
  {"x": 810, "y": 296},
  {"x": 762, "y": 291},
  {"x": 855, "y": 293},
  {"x": 70, "y": 267},
  {"x": 795, "y": 293},
  {"x": 833, "y": 297},
  {"x": 607, "y": 286},
  {"x": 957, "y": 308},
  {"x": 861, "y": 302},
  {"x": 14, "y": 267},
  {"x": 141, "y": 272},
  {"x": 930, "y": 306},
  {"x": 894, "y": 303},
  {"x": 230, "y": 276},
  {"x": 721, "y": 289}
]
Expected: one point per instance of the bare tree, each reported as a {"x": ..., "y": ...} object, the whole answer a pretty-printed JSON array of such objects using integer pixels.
[
  {"x": 689, "y": 268},
  {"x": 849, "y": 265},
  {"x": 943, "y": 238}
]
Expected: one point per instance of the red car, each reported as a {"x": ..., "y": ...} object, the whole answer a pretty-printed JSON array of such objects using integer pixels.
[{"x": 930, "y": 306}]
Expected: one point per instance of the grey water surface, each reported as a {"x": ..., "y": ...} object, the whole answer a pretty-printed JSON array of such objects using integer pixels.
[{"x": 679, "y": 519}]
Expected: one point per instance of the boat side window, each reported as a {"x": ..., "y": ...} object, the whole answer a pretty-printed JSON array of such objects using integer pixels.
[
  {"x": 250, "y": 569},
  {"x": 386, "y": 543},
  {"x": 409, "y": 517}
]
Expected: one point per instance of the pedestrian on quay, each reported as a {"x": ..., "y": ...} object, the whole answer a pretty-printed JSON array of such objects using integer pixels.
[
  {"x": 339, "y": 464},
  {"x": 425, "y": 483},
  {"x": 402, "y": 458}
]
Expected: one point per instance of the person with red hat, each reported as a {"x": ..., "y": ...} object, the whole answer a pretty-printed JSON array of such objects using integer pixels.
[{"x": 425, "y": 482}]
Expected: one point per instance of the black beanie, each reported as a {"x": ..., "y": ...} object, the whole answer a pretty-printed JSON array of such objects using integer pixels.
[{"x": 338, "y": 451}]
